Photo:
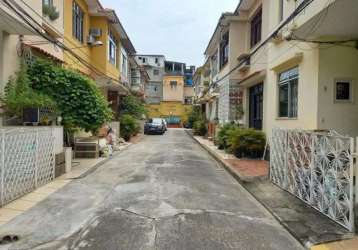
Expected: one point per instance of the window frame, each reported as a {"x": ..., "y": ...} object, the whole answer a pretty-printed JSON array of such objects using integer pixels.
[
  {"x": 256, "y": 28},
  {"x": 172, "y": 85},
  {"x": 224, "y": 50},
  {"x": 351, "y": 90},
  {"x": 50, "y": 3},
  {"x": 291, "y": 79},
  {"x": 77, "y": 22},
  {"x": 124, "y": 64},
  {"x": 112, "y": 48}
]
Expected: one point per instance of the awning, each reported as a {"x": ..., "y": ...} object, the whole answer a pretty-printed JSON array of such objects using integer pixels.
[
  {"x": 337, "y": 21},
  {"x": 253, "y": 78},
  {"x": 12, "y": 24}
]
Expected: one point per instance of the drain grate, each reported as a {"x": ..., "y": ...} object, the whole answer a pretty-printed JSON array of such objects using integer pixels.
[{"x": 7, "y": 239}]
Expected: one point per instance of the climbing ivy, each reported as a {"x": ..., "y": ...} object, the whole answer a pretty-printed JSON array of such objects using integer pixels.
[{"x": 78, "y": 98}]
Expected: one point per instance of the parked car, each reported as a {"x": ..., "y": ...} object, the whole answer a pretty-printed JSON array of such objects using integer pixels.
[{"x": 154, "y": 126}]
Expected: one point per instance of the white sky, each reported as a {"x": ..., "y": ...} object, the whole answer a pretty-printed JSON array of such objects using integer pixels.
[{"x": 178, "y": 29}]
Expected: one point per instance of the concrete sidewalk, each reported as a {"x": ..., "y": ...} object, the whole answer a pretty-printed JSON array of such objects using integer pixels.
[
  {"x": 307, "y": 225},
  {"x": 80, "y": 168}
]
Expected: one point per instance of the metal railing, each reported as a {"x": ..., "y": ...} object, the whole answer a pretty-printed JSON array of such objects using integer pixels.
[
  {"x": 318, "y": 169},
  {"x": 27, "y": 161}
]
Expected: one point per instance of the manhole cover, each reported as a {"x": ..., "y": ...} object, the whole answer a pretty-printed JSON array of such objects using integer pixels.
[{"x": 7, "y": 239}]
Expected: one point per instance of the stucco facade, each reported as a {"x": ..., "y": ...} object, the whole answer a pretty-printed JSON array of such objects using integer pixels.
[{"x": 320, "y": 89}]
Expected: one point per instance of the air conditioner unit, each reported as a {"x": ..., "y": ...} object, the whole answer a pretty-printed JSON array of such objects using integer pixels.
[
  {"x": 244, "y": 61},
  {"x": 91, "y": 40},
  {"x": 95, "y": 32}
]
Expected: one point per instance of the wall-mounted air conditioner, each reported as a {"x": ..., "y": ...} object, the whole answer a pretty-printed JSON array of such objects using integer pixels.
[
  {"x": 91, "y": 40},
  {"x": 95, "y": 32}
]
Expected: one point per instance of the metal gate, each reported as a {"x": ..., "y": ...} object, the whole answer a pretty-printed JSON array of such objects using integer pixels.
[
  {"x": 26, "y": 161},
  {"x": 318, "y": 169}
]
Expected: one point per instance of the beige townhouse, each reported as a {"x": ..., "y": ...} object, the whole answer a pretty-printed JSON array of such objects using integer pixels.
[
  {"x": 18, "y": 40},
  {"x": 311, "y": 67},
  {"x": 287, "y": 63}
]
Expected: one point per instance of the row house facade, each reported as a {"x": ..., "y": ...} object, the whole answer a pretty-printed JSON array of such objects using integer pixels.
[
  {"x": 286, "y": 64},
  {"x": 97, "y": 37},
  {"x": 97, "y": 43}
]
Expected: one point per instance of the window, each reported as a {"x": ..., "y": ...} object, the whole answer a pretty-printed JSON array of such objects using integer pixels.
[
  {"x": 188, "y": 100},
  {"x": 47, "y": 3},
  {"x": 173, "y": 84},
  {"x": 224, "y": 50},
  {"x": 155, "y": 72},
  {"x": 124, "y": 64},
  {"x": 343, "y": 90},
  {"x": 143, "y": 60},
  {"x": 77, "y": 22},
  {"x": 112, "y": 48},
  {"x": 288, "y": 93},
  {"x": 280, "y": 10},
  {"x": 256, "y": 26},
  {"x": 156, "y": 60}
]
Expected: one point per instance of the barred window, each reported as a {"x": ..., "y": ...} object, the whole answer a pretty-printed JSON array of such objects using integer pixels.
[{"x": 77, "y": 21}]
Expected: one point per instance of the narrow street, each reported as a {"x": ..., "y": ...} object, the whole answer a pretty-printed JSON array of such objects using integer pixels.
[{"x": 163, "y": 193}]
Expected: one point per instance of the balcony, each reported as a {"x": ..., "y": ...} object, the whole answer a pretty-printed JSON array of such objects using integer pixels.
[{"x": 335, "y": 26}]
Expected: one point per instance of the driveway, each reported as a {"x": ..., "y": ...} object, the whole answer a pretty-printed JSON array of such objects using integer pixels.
[{"x": 164, "y": 193}]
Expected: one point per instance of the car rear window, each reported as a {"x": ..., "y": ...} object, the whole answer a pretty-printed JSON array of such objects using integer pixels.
[{"x": 157, "y": 121}]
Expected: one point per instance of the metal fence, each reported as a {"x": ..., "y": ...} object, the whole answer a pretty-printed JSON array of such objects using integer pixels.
[
  {"x": 26, "y": 161},
  {"x": 318, "y": 169}
]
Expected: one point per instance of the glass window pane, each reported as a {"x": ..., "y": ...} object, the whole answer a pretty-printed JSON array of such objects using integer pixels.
[
  {"x": 283, "y": 100},
  {"x": 343, "y": 90},
  {"x": 293, "y": 98}
]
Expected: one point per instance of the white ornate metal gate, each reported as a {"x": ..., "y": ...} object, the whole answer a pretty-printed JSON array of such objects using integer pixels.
[
  {"x": 317, "y": 168},
  {"x": 26, "y": 161}
]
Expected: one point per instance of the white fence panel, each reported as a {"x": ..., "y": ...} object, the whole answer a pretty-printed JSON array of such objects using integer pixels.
[
  {"x": 27, "y": 161},
  {"x": 318, "y": 169}
]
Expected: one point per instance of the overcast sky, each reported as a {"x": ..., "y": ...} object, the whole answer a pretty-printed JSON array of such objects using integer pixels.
[{"x": 178, "y": 29}]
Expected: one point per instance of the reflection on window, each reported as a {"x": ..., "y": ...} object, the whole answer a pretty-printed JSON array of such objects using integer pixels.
[{"x": 288, "y": 93}]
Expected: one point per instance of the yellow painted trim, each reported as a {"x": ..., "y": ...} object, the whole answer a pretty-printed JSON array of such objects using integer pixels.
[{"x": 320, "y": 247}]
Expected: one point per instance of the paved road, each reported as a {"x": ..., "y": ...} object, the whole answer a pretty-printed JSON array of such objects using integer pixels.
[{"x": 163, "y": 193}]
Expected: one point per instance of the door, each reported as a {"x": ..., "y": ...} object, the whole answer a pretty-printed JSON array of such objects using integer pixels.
[
  {"x": 256, "y": 106},
  {"x": 113, "y": 99}
]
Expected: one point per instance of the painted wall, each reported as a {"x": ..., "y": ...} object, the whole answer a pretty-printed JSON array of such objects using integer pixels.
[
  {"x": 173, "y": 94},
  {"x": 153, "y": 92},
  {"x": 167, "y": 109},
  {"x": 337, "y": 63},
  {"x": 282, "y": 57},
  {"x": 71, "y": 42}
]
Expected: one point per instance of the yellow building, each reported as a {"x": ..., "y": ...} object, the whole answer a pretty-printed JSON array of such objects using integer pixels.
[
  {"x": 99, "y": 45},
  {"x": 178, "y": 93}
]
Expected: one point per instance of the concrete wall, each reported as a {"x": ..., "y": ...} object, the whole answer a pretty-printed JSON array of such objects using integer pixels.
[
  {"x": 167, "y": 109},
  {"x": 154, "y": 92},
  {"x": 337, "y": 63},
  {"x": 173, "y": 94}
]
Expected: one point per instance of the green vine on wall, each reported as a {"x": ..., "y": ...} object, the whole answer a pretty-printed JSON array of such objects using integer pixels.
[{"x": 78, "y": 98}]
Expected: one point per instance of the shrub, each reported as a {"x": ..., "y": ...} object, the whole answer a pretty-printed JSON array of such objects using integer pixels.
[
  {"x": 195, "y": 115},
  {"x": 199, "y": 128},
  {"x": 81, "y": 103},
  {"x": 19, "y": 95},
  {"x": 132, "y": 105},
  {"x": 223, "y": 135},
  {"x": 129, "y": 127},
  {"x": 248, "y": 143}
]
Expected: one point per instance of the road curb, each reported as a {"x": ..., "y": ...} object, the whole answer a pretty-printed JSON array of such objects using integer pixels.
[
  {"x": 242, "y": 182},
  {"x": 239, "y": 177}
]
